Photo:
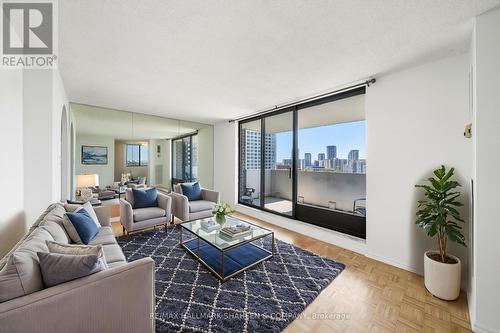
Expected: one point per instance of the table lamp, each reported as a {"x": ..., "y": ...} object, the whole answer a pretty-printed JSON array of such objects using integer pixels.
[{"x": 84, "y": 184}]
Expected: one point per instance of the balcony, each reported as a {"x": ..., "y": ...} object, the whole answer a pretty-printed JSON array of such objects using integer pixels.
[{"x": 341, "y": 192}]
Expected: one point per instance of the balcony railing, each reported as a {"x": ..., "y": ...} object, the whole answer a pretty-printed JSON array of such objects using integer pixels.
[{"x": 344, "y": 192}]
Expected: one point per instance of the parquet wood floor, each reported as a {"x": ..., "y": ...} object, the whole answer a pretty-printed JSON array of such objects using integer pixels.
[{"x": 369, "y": 296}]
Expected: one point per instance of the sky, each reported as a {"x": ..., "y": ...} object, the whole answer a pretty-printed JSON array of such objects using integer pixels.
[{"x": 346, "y": 137}]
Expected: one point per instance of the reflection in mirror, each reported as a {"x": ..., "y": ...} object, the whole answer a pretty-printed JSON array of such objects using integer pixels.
[{"x": 141, "y": 148}]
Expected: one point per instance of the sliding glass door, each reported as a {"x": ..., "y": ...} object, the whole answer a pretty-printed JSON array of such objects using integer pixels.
[
  {"x": 331, "y": 177},
  {"x": 250, "y": 166},
  {"x": 278, "y": 163},
  {"x": 308, "y": 162}
]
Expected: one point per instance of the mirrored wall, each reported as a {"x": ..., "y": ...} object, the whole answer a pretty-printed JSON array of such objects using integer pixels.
[{"x": 115, "y": 144}]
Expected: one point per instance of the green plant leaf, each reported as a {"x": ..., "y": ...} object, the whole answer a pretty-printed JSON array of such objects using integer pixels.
[{"x": 438, "y": 213}]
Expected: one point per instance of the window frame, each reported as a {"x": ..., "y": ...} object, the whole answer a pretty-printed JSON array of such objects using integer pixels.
[
  {"x": 140, "y": 162},
  {"x": 173, "y": 180},
  {"x": 315, "y": 216}
]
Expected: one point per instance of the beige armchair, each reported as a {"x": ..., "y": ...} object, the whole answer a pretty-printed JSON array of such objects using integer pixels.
[
  {"x": 142, "y": 218},
  {"x": 186, "y": 210}
]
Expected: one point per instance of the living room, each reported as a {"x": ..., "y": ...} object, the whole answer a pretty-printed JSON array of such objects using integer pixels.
[
  {"x": 263, "y": 166},
  {"x": 125, "y": 148}
]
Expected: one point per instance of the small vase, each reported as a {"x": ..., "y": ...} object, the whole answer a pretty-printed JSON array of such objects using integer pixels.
[{"x": 220, "y": 219}]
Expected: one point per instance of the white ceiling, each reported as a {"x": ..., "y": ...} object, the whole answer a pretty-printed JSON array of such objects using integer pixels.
[
  {"x": 208, "y": 61},
  {"x": 340, "y": 111}
]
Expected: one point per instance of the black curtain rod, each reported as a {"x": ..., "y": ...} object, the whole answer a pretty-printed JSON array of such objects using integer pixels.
[{"x": 284, "y": 106}]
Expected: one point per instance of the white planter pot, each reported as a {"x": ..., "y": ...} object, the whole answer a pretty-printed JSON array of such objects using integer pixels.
[{"x": 442, "y": 280}]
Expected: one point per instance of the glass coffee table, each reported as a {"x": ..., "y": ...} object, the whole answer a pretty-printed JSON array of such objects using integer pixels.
[{"x": 222, "y": 255}]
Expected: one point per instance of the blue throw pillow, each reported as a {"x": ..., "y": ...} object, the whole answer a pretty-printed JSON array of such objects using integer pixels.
[
  {"x": 192, "y": 191},
  {"x": 145, "y": 198},
  {"x": 84, "y": 225}
]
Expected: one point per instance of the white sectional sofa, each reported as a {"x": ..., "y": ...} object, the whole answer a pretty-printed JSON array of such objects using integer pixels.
[{"x": 118, "y": 299}]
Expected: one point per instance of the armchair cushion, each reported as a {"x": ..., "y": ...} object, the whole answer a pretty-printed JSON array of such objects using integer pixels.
[
  {"x": 200, "y": 205},
  {"x": 148, "y": 213},
  {"x": 192, "y": 191},
  {"x": 145, "y": 198}
]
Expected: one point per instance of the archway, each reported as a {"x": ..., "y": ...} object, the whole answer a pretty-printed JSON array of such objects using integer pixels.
[
  {"x": 72, "y": 162},
  {"x": 65, "y": 163}
]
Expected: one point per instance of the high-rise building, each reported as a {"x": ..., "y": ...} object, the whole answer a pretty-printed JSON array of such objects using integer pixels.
[
  {"x": 321, "y": 156},
  {"x": 307, "y": 159},
  {"x": 250, "y": 146},
  {"x": 302, "y": 164},
  {"x": 331, "y": 152},
  {"x": 353, "y": 155}
]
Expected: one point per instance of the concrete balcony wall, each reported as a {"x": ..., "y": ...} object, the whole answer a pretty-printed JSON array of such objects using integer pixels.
[
  {"x": 253, "y": 181},
  {"x": 318, "y": 188}
]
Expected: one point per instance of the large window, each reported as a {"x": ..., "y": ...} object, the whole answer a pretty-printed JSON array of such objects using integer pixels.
[
  {"x": 308, "y": 162},
  {"x": 137, "y": 155},
  {"x": 185, "y": 159}
]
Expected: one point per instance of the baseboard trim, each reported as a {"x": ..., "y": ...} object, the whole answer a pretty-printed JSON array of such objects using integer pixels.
[
  {"x": 478, "y": 329},
  {"x": 394, "y": 263}
]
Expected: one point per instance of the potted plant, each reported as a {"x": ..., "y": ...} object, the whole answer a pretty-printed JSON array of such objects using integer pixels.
[
  {"x": 438, "y": 215},
  {"x": 220, "y": 211}
]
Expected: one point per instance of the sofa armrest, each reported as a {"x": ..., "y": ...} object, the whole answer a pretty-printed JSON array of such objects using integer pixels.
[
  {"x": 180, "y": 206},
  {"x": 102, "y": 302},
  {"x": 103, "y": 215},
  {"x": 210, "y": 195},
  {"x": 126, "y": 214},
  {"x": 165, "y": 203}
]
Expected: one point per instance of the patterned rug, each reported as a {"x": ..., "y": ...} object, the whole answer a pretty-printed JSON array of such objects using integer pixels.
[{"x": 265, "y": 298}]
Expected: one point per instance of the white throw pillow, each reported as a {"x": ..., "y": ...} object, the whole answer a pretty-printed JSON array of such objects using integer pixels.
[
  {"x": 88, "y": 207},
  {"x": 74, "y": 249},
  {"x": 70, "y": 229}
]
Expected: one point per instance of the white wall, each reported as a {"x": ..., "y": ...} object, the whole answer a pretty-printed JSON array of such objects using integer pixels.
[
  {"x": 226, "y": 161},
  {"x": 206, "y": 156},
  {"x": 31, "y": 105},
  {"x": 43, "y": 101},
  {"x": 159, "y": 161},
  {"x": 12, "y": 221},
  {"x": 415, "y": 120},
  {"x": 484, "y": 295},
  {"x": 106, "y": 172}
]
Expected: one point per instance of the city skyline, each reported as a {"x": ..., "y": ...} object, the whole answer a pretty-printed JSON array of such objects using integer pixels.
[{"x": 345, "y": 136}]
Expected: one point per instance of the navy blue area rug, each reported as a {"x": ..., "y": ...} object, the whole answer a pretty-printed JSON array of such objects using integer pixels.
[{"x": 266, "y": 298}]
